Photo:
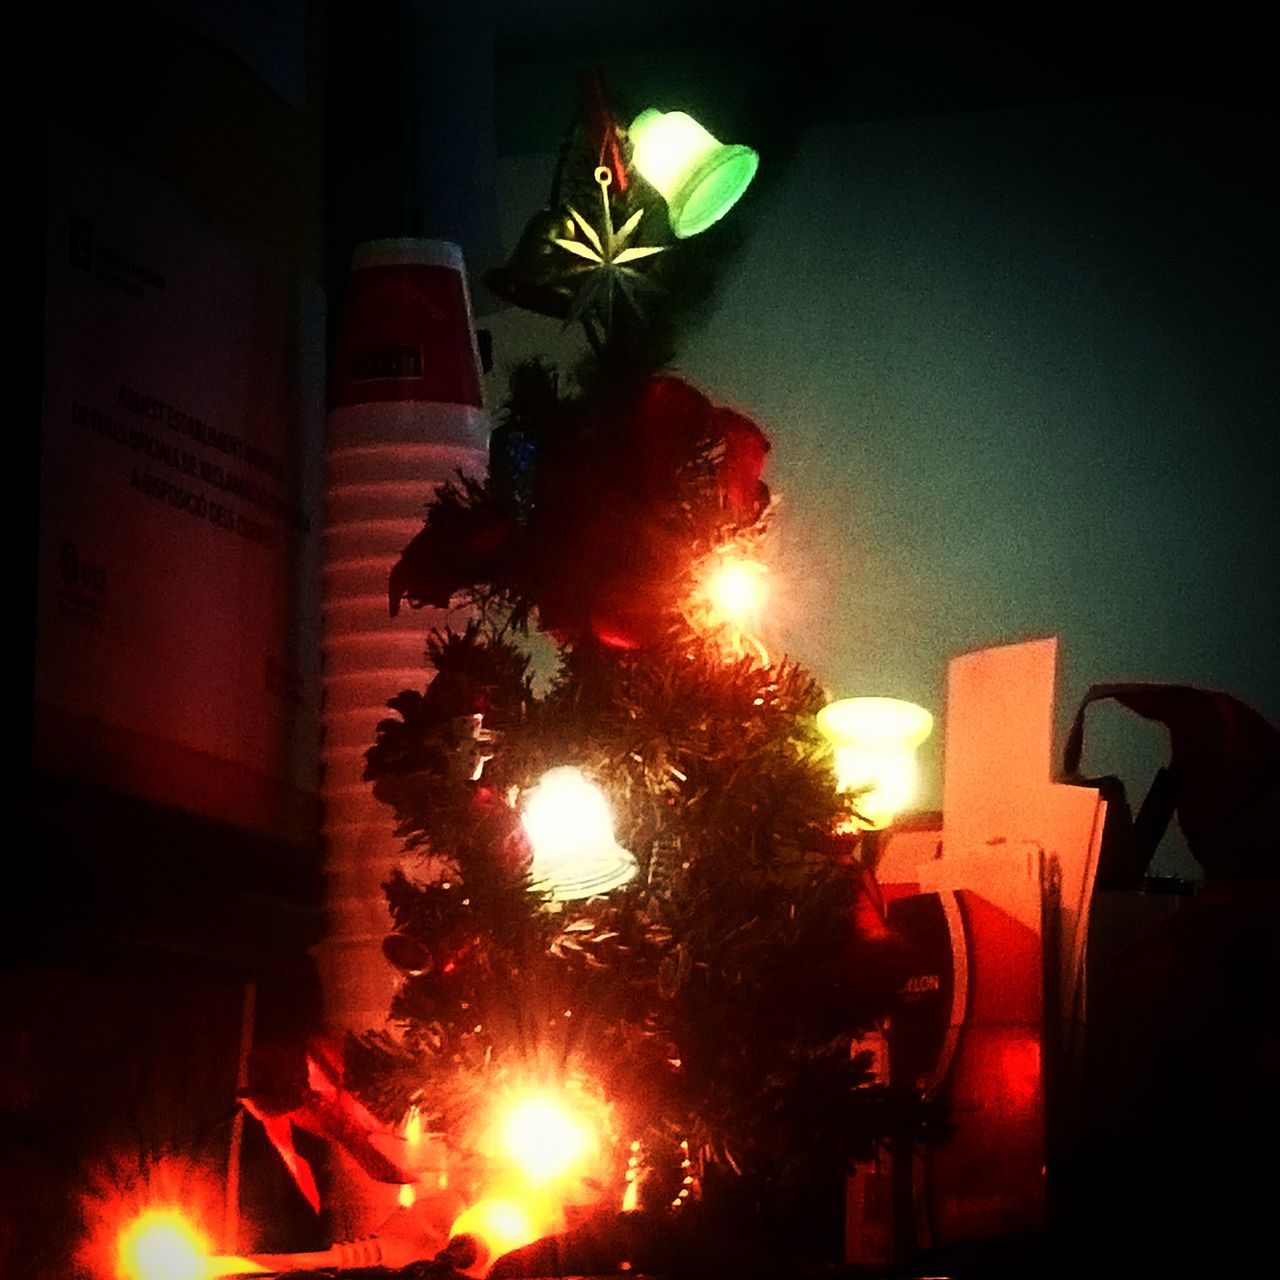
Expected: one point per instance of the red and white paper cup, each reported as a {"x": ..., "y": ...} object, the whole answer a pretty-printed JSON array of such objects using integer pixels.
[{"x": 406, "y": 414}]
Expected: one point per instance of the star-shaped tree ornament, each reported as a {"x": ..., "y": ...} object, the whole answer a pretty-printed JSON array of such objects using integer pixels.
[{"x": 609, "y": 257}]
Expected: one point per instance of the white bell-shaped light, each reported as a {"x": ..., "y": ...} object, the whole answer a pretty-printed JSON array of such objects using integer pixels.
[
  {"x": 568, "y": 822},
  {"x": 875, "y": 742},
  {"x": 699, "y": 177}
]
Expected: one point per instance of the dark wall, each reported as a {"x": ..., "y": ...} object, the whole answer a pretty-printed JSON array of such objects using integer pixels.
[{"x": 130, "y": 931}]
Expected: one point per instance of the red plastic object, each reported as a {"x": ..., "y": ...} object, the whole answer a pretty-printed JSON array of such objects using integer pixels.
[{"x": 407, "y": 332}]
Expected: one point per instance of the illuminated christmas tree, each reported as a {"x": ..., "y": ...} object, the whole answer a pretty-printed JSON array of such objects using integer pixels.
[{"x": 631, "y": 918}]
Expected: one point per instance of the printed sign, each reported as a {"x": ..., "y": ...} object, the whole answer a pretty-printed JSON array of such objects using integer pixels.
[{"x": 183, "y": 416}]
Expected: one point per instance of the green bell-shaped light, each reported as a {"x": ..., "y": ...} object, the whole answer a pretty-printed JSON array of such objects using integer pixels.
[{"x": 700, "y": 177}]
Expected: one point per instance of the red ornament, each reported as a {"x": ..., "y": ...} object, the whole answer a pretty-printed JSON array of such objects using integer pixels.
[
  {"x": 745, "y": 447},
  {"x": 614, "y": 514},
  {"x": 605, "y": 537},
  {"x": 667, "y": 423},
  {"x": 672, "y": 420},
  {"x": 623, "y": 630}
]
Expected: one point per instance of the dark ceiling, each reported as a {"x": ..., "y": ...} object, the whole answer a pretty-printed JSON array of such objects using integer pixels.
[{"x": 814, "y": 63}]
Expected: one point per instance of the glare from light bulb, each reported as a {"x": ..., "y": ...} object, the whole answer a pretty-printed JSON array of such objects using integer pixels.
[
  {"x": 631, "y": 1196},
  {"x": 413, "y": 1132},
  {"x": 500, "y": 1223}
]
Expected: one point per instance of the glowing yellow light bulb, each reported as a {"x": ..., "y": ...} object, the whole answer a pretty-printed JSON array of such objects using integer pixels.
[
  {"x": 575, "y": 855},
  {"x": 727, "y": 601},
  {"x": 736, "y": 590},
  {"x": 544, "y": 1137},
  {"x": 161, "y": 1244},
  {"x": 875, "y": 742}
]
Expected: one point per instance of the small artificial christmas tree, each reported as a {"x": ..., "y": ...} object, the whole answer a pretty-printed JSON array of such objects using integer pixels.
[{"x": 636, "y": 895}]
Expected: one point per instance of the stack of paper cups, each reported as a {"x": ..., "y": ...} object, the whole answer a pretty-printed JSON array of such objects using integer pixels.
[{"x": 405, "y": 415}]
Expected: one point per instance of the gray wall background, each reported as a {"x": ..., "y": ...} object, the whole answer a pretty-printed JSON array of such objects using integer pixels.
[{"x": 1019, "y": 369}]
